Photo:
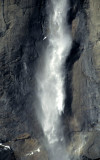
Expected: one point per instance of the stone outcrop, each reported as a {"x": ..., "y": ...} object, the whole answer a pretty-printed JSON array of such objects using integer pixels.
[{"x": 27, "y": 148}]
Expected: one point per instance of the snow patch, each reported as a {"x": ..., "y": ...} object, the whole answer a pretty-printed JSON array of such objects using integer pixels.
[
  {"x": 32, "y": 152},
  {"x": 5, "y": 147}
]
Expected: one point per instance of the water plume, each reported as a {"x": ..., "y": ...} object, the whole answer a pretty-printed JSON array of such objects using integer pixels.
[{"x": 51, "y": 80}]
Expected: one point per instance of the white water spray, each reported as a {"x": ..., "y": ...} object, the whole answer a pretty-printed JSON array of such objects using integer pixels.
[{"x": 51, "y": 81}]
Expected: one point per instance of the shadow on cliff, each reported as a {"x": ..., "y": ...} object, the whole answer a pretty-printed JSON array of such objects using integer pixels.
[{"x": 77, "y": 10}]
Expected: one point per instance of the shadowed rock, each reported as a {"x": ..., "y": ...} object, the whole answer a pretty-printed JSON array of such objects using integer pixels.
[
  {"x": 6, "y": 153},
  {"x": 86, "y": 158}
]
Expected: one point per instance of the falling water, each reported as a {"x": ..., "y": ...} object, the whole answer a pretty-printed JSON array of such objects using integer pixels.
[{"x": 51, "y": 90}]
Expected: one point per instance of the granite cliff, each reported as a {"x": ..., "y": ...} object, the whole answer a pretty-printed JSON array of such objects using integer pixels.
[
  {"x": 22, "y": 29},
  {"x": 84, "y": 72}
]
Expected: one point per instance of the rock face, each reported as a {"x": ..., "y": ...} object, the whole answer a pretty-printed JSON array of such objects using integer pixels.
[
  {"x": 21, "y": 37},
  {"x": 20, "y": 34},
  {"x": 84, "y": 75},
  {"x": 27, "y": 148},
  {"x": 22, "y": 29}
]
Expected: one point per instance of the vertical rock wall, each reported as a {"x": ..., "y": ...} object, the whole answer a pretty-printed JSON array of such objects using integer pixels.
[
  {"x": 21, "y": 40},
  {"x": 20, "y": 34},
  {"x": 85, "y": 82}
]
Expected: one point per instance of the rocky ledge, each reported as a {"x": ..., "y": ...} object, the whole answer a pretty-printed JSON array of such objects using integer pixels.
[{"x": 24, "y": 147}]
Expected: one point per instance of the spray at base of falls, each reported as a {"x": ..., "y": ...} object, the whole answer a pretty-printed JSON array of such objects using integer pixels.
[{"x": 51, "y": 81}]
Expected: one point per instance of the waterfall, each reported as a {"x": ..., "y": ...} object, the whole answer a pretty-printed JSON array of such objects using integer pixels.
[{"x": 51, "y": 90}]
